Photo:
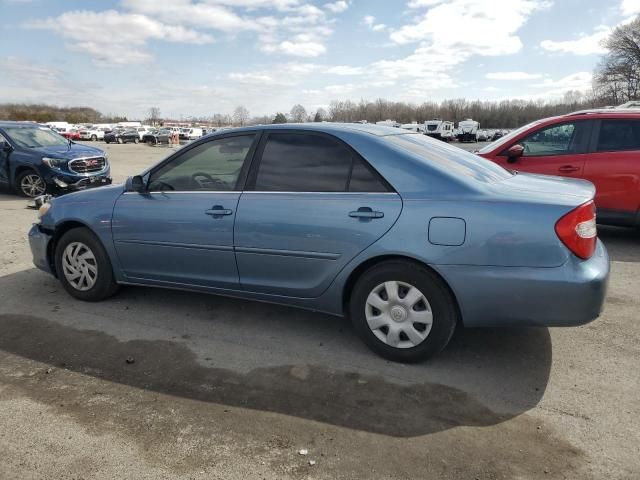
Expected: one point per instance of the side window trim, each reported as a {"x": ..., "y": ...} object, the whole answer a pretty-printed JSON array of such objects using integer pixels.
[
  {"x": 252, "y": 176},
  {"x": 240, "y": 182}
]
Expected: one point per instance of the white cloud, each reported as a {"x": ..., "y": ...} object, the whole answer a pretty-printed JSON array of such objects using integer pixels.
[
  {"x": 584, "y": 45},
  {"x": 337, "y": 7},
  {"x": 112, "y": 38},
  {"x": 370, "y": 21},
  {"x": 512, "y": 76},
  {"x": 630, "y": 7},
  {"x": 345, "y": 70},
  {"x": 576, "y": 81}
]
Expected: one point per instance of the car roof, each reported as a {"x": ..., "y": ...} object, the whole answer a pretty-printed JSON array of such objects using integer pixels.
[
  {"x": 326, "y": 127},
  {"x": 5, "y": 123}
]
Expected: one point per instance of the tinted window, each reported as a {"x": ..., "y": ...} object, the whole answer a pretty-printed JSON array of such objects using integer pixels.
[
  {"x": 303, "y": 163},
  {"x": 211, "y": 166},
  {"x": 363, "y": 179},
  {"x": 619, "y": 135},
  {"x": 563, "y": 139}
]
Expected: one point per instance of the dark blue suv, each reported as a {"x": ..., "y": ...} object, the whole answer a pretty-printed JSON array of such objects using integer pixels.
[{"x": 35, "y": 160}]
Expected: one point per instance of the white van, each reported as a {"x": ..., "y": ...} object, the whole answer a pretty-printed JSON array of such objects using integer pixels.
[{"x": 194, "y": 133}]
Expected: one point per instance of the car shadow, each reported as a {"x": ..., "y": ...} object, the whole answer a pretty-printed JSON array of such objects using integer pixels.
[
  {"x": 291, "y": 362},
  {"x": 623, "y": 243}
]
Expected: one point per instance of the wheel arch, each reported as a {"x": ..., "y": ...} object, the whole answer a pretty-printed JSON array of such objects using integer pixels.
[
  {"x": 357, "y": 272},
  {"x": 57, "y": 234}
]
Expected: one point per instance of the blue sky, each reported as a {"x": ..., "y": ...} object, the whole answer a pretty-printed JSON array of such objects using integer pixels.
[{"x": 199, "y": 57}]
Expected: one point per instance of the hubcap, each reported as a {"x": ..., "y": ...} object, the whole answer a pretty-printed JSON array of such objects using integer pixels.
[
  {"x": 398, "y": 314},
  {"x": 32, "y": 185},
  {"x": 79, "y": 266}
]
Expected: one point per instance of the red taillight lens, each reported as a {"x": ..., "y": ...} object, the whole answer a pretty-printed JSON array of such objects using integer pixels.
[{"x": 577, "y": 230}]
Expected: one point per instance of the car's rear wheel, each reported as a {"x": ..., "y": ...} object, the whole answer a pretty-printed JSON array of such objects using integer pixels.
[
  {"x": 403, "y": 311},
  {"x": 30, "y": 184},
  {"x": 83, "y": 266}
]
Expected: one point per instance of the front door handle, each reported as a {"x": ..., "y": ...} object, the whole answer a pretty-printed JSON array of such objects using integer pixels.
[
  {"x": 218, "y": 211},
  {"x": 568, "y": 169},
  {"x": 365, "y": 213}
]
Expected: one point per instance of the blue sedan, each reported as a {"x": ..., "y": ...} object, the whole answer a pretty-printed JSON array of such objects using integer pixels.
[{"x": 409, "y": 237}]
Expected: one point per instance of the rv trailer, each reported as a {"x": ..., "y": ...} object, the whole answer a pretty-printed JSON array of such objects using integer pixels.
[
  {"x": 440, "y": 129},
  {"x": 468, "y": 130}
]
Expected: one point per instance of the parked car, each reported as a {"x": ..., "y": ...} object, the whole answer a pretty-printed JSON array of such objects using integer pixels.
[
  {"x": 602, "y": 146},
  {"x": 496, "y": 135},
  {"x": 93, "y": 133},
  {"x": 35, "y": 160},
  {"x": 157, "y": 136},
  {"x": 122, "y": 136},
  {"x": 468, "y": 130},
  {"x": 69, "y": 133},
  {"x": 408, "y": 236},
  {"x": 142, "y": 131}
]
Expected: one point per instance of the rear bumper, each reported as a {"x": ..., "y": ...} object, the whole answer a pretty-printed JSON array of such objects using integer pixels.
[
  {"x": 569, "y": 295},
  {"x": 39, "y": 244}
]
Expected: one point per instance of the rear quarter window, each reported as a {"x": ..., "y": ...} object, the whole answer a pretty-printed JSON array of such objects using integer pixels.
[{"x": 450, "y": 158}]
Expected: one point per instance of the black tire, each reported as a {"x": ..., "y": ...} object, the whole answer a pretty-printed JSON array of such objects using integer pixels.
[
  {"x": 21, "y": 177},
  {"x": 105, "y": 285},
  {"x": 443, "y": 308},
  {"x": 150, "y": 142},
  {"x": 107, "y": 142}
]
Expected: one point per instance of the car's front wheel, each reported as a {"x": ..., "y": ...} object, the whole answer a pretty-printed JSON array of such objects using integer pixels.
[
  {"x": 83, "y": 266},
  {"x": 30, "y": 184},
  {"x": 403, "y": 311}
]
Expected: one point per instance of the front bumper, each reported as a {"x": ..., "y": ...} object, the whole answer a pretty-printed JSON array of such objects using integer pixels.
[
  {"x": 569, "y": 295},
  {"x": 39, "y": 243}
]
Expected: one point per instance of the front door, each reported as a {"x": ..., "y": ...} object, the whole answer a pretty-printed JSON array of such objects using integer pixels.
[
  {"x": 4, "y": 160},
  {"x": 180, "y": 231},
  {"x": 558, "y": 149},
  {"x": 311, "y": 205}
]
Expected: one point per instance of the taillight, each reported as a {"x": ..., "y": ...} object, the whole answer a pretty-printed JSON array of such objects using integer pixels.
[{"x": 577, "y": 230}]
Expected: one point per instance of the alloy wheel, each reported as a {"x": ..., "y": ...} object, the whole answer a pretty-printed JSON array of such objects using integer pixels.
[
  {"x": 398, "y": 314},
  {"x": 32, "y": 185}
]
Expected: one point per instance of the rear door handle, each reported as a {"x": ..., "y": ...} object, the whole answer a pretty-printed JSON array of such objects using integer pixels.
[
  {"x": 568, "y": 169},
  {"x": 366, "y": 212},
  {"x": 218, "y": 211}
]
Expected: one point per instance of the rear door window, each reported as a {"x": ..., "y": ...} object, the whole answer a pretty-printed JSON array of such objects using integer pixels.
[
  {"x": 303, "y": 162},
  {"x": 619, "y": 135}
]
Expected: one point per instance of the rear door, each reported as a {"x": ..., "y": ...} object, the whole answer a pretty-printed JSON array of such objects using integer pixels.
[
  {"x": 4, "y": 161},
  {"x": 310, "y": 206},
  {"x": 559, "y": 149},
  {"x": 614, "y": 168}
]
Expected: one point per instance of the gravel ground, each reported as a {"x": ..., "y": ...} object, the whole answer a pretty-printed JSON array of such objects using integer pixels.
[{"x": 221, "y": 388}]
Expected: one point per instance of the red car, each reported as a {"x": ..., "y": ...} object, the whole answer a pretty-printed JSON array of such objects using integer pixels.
[
  {"x": 602, "y": 146},
  {"x": 70, "y": 134}
]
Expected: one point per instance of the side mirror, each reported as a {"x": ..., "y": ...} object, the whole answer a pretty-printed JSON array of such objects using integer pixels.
[
  {"x": 135, "y": 184},
  {"x": 514, "y": 153}
]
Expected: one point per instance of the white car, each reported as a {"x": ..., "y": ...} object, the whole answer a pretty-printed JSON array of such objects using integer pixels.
[
  {"x": 142, "y": 131},
  {"x": 93, "y": 133}
]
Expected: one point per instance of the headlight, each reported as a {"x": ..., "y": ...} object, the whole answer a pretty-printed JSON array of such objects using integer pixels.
[
  {"x": 56, "y": 163},
  {"x": 44, "y": 208}
]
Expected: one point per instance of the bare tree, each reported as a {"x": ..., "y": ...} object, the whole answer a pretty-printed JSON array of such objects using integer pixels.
[
  {"x": 617, "y": 76},
  {"x": 298, "y": 114},
  {"x": 154, "y": 116},
  {"x": 240, "y": 115}
]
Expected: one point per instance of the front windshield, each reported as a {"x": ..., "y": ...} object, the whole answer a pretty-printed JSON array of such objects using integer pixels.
[
  {"x": 34, "y": 137},
  {"x": 507, "y": 138}
]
